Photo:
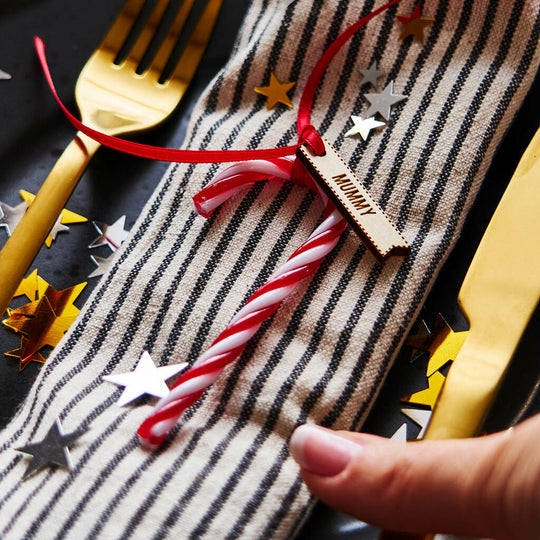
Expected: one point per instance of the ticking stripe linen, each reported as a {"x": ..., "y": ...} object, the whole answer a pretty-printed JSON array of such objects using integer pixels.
[{"x": 226, "y": 471}]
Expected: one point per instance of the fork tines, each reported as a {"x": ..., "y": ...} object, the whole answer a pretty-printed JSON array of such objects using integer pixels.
[{"x": 151, "y": 35}]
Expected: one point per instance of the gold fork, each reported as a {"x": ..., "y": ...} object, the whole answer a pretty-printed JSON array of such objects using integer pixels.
[{"x": 113, "y": 98}]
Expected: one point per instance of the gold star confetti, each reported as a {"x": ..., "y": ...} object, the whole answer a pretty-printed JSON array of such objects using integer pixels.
[
  {"x": 276, "y": 92},
  {"x": 414, "y": 25},
  {"x": 443, "y": 345},
  {"x": 32, "y": 286},
  {"x": 66, "y": 216},
  {"x": 429, "y": 395}
]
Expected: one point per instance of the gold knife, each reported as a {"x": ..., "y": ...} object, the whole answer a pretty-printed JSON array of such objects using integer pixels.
[{"x": 498, "y": 297}]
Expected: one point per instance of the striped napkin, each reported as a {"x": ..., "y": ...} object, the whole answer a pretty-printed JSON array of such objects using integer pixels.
[{"x": 226, "y": 472}]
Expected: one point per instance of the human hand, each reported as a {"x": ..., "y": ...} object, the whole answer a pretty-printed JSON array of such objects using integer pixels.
[{"x": 488, "y": 487}]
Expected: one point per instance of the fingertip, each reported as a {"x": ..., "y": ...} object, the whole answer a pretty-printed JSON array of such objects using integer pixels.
[{"x": 322, "y": 451}]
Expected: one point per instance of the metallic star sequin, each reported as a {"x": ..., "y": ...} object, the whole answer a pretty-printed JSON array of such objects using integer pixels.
[
  {"x": 58, "y": 227},
  {"x": 110, "y": 235},
  {"x": 276, "y": 92},
  {"x": 66, "y": 216},
  {"x": 43, "y": 322},
  {"x": 18, "y": 353},
  {"x": 382, "y": 102},
  {"x": 443, "y": 344},
  {"x": 52, "y": 450},
  {"x": 42, "y": 328},
  {"x": 32, "y": 286},
  {"x": 429, "y": 395},
  {"x": 414, "y": 25},
  {"x": 400, "y": 434},
  {"x": 146, "y": 378},
  {"x": 363, "y": 126},
  {"x": 420, "y": 417},
  {"x": 370, "y": 75},
  {"x": 11, "y": 215},
  {"x": 103, "y": 264}
]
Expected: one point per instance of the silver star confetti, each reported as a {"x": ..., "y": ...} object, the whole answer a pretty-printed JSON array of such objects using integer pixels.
[
  {"x": 102, "y": 263},
  {"x": 371, "y": 75},
  {"x": 110, "y": 235},
  {"x": 363, "y": 126},
  {"x": 58, "y": 227},
  {"x": 11, "y": 215},
  {"x": 382, "y": 102},
  {"x": 4, "y": 76},
  {"x": 146, "y": 378},
  {"x": 400, "y": 434},
  {"x": 52, "y": 450},
  {"x": 420, "y": 417}
]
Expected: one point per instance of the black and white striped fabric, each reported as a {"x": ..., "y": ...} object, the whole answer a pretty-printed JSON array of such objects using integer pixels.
[{"x": 226, "y": 472}]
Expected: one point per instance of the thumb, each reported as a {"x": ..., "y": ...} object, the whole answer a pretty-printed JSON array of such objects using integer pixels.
[{"x": 484, "y": 487}]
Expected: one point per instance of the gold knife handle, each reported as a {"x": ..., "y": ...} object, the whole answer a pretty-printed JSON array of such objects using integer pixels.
[{"x": 24, "y": 243}]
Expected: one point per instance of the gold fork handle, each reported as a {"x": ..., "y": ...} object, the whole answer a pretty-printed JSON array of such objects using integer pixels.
[{"x": 24, "y": 243}]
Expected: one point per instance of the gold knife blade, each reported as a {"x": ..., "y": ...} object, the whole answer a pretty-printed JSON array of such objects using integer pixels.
[{"x": 498, "y": 297}]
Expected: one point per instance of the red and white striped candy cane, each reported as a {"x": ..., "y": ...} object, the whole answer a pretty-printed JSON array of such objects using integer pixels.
[{"x": 261, "y": 305}]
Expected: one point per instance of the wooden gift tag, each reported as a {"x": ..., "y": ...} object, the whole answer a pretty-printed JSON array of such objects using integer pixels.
[{"x": 352, "y": 199}]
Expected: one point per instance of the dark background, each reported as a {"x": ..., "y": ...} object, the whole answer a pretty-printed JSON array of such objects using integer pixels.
[{"x": 34, "y": 132}]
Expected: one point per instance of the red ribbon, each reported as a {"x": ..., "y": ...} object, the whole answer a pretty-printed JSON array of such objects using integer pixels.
[{"x": 307, "y": 133}]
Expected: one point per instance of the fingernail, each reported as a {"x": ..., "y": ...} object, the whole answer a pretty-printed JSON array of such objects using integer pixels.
[{"x": 321, "y": 451}]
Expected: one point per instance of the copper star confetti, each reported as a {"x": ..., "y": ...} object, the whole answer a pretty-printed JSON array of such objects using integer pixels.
[
  {"x": 146, "y": 378},
  {"x": 66, "y": 216},
  {"x": 443, "y": 344},
  {"x": 276, "y": 92},
  {"x": 4, "y": 76},
  {"x": 363, "y": 126},
  {"x": 44, "y": 321},
  {"x": 382, "y": 102},
  {"x": 429, "y": 395},
  {"x": 110, "y": 235},
  {"x": 370, "y": 75},
  {"x": 43, "y": 328},
  {"x": 414, "y": 24},
  {"x": 17, "y": 353},
  {"x": 52, "y": 450},
  {"x": 11, "y": 215}
]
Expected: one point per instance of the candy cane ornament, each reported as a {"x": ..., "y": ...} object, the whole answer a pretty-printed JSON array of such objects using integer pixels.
[
  {"x": 259, "y": 164},
  {"x": 261, "y": 305}
]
